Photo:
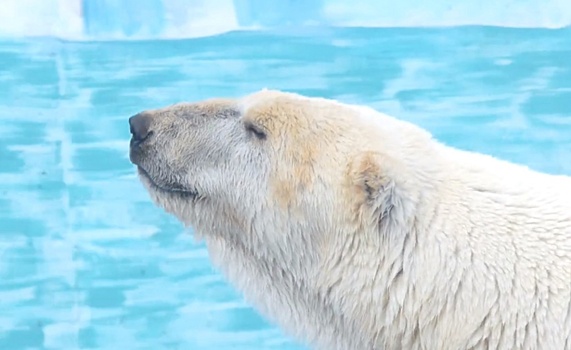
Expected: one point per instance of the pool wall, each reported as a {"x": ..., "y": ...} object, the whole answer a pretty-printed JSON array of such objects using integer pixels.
[{"x": 156, "y": 19}]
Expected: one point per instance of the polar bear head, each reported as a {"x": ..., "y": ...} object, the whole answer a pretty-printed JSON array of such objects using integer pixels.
[
  {"x": 275, "y": 167},
  {"x": 294, "y": 183}
]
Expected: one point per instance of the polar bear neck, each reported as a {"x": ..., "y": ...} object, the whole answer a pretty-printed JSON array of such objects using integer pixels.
[
  {"x": 284, "y": 296},
  {"x": 409, "y": 292}
]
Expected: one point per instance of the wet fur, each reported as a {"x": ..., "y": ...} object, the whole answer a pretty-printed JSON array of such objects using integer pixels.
[{"x": 353, "y": 230}]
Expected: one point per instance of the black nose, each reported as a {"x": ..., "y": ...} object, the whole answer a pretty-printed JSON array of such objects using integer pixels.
[{"x": 140, "y": 126}]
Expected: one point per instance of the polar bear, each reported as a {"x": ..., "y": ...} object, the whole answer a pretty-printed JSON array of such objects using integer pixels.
[{"x": 352, "y": 230}]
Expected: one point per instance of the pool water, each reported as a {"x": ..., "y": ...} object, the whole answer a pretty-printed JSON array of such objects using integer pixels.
[{"x": 87, "y": 261}]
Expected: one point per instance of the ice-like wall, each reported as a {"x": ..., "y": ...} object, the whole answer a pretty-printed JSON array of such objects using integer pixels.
[{"x": 113, "y": 19}]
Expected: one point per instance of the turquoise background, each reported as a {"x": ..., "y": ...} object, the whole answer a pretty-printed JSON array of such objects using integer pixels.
[{"x": 88, "y": 262}]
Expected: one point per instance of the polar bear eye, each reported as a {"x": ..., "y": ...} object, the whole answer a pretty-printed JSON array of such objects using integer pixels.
[{"x": 255, "y": 131}]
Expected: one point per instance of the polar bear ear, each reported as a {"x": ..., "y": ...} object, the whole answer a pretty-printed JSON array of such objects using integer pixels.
[{"x": 380, "y": 200}]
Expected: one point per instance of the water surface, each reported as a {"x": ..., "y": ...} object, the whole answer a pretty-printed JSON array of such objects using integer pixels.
[{"x": 87, "y": 261}]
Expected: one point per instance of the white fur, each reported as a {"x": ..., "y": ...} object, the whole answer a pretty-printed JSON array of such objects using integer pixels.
[{"x": 454, "y": 250}]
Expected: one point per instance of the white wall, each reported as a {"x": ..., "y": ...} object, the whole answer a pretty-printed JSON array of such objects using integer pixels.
[{"x": 113, "y": 19}]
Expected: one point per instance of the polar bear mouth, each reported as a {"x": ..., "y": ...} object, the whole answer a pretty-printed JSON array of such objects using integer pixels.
[{"x": 175, "y": 190}]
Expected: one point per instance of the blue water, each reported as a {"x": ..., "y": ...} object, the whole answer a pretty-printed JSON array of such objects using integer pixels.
[{"x": 87, "y": 261}]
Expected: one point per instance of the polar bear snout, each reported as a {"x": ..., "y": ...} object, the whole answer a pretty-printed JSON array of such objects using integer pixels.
[{"x": 140, "y": 128}]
